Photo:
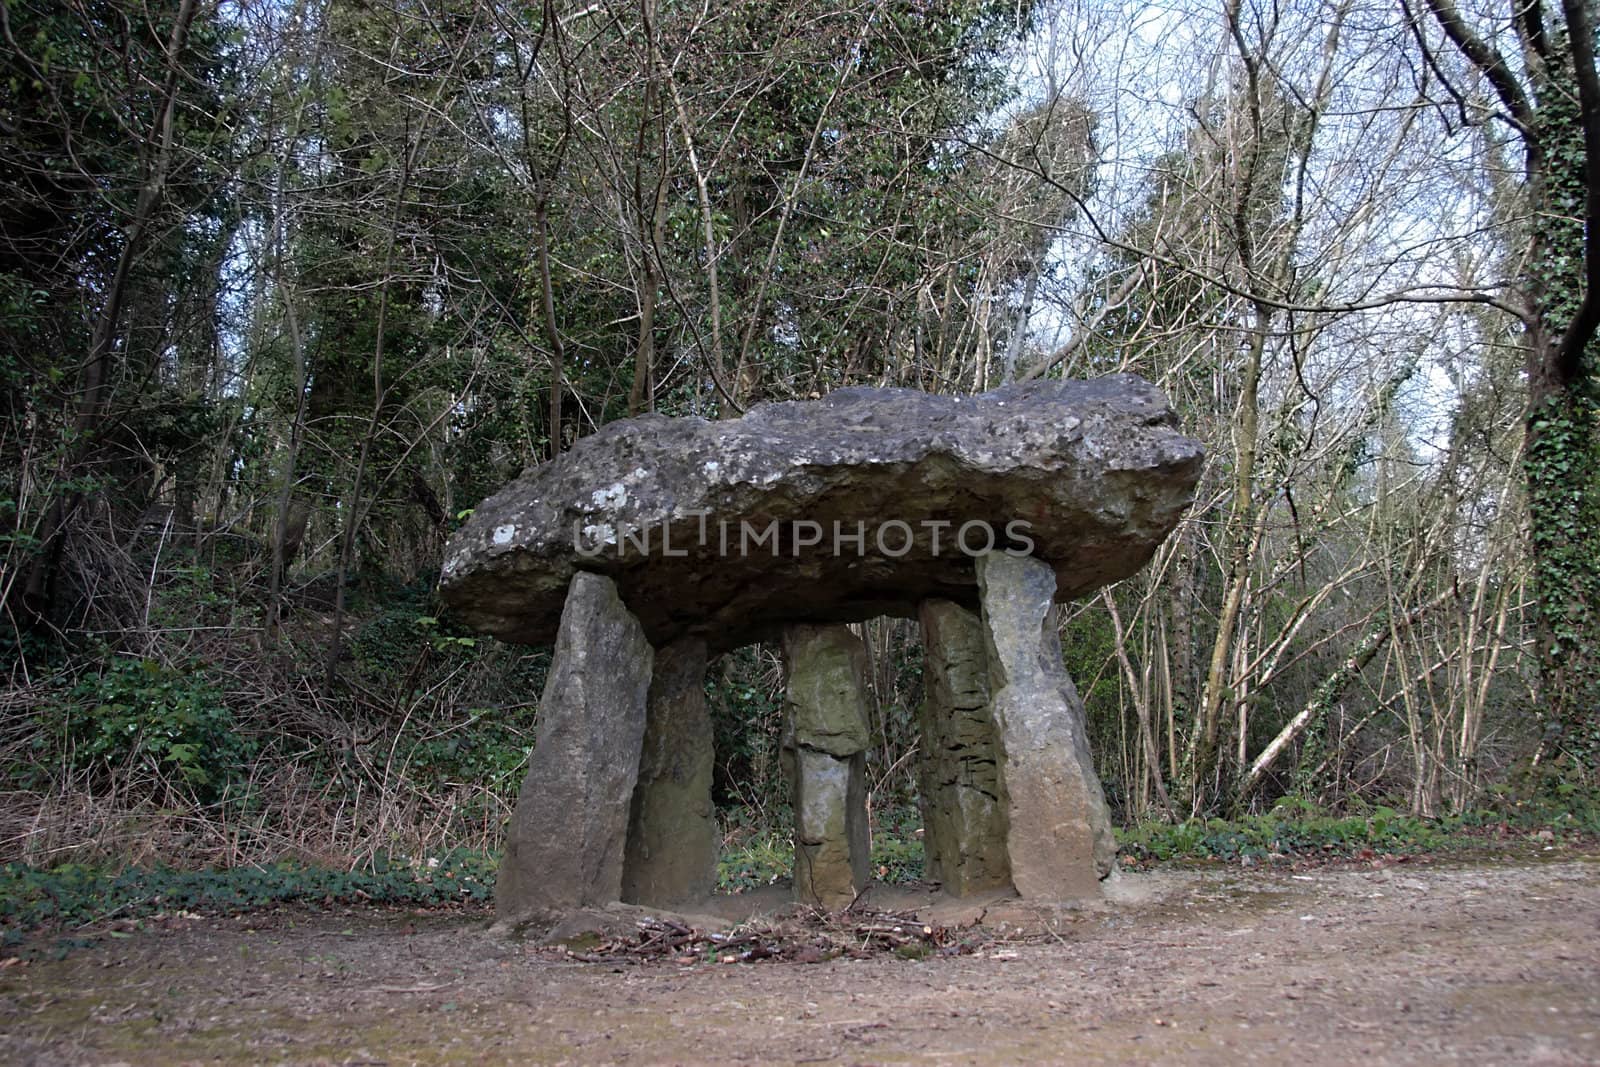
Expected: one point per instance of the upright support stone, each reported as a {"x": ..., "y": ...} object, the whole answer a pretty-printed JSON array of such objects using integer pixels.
[
  {"x": 963, "y": 803},
  {"x": 1058, "y": 832},
  {"x": 564, "y": 847},
  {"x": 825, "y": 735},
  {"x": 830, "y": 828},
  {"x": 671, "y": 856}
]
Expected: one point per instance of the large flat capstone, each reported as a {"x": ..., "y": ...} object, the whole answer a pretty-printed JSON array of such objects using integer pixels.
[{"x": 864, "y": 503}]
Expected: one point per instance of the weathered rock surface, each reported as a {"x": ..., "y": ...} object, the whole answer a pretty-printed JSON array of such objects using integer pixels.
[
  {"x": 564, "y": 847},
  {"x": 963, "y": 806},
  {"x": 671, "y": 855},
  {"x": 826, "y": 731},
  {"x": 707, "y": 527},
  {"x": 1058, "y": 831},
  {"x": 826, "y": 689},
  {"x": 831, "y": 862}
]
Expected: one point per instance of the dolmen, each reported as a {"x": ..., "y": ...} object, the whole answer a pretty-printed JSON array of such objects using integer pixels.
[{"x": 659, "y": 542}]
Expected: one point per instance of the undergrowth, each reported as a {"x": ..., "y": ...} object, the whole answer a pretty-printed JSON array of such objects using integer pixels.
[
  {"x": 73, "y": 895},
  {"x": 1284, "y": 833},
  {"x": 1296, "y": 829},
  {"x": 760, "y": 858},
  {"x": 756, "y": 856}
]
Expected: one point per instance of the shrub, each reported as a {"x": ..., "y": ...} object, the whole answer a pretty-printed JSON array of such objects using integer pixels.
[
  {"x": 1287, "y": 830},
  {"x": 760, "y": 859},
  {"x": 139, "y": 711},
  {"x": 79, "y": 895}
]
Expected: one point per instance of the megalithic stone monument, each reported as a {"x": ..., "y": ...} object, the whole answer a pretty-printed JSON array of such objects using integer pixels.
[{"x": 974, "y": 514}]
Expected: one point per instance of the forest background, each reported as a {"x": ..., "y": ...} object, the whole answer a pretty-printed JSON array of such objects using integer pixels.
[{"x": 288, "y": 286}]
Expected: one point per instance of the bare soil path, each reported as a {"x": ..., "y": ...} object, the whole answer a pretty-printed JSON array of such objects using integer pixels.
[{"x": 1491, "y": 961}]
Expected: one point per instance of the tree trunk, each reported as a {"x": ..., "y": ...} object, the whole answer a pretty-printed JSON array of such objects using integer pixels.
[{"x": 93, "y": 395}]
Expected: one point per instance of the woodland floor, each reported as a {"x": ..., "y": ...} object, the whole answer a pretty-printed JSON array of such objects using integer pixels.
[{"x": 1492, "y": 960}]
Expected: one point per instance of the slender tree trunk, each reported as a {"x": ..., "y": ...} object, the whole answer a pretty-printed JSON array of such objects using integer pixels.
[
  {"x": 93, "y": 394},
  {"x": 1326, "y": 695},
  {"x": 1019, "y": 329},
  {"x": 292, "y": 515},
  {"x": 1244, "y": 532},
  {"x": 650, "y": 213},
  {"x": 1552, "y": 99},
  {"x": 547, "y": 318},
  {"x": 356, "y": 510},
  {"x": 1141, "y": 705}
]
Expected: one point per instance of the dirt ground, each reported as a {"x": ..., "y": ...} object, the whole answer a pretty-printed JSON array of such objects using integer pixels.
[{"x": 1496, "y": 960}]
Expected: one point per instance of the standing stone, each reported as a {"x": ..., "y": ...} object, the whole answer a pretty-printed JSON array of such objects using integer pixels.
[
  {"x": 963, "y": 802},
  {"x": 825, "y": 735},
  {"x": 671, "y": 854},
  {"x": 564, "y": 847},
  {"x": 1058, "y": 829},
  {"x": 827, "y": 689},
  {"x": 830, "y": 828}
]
